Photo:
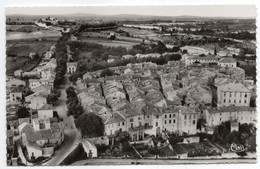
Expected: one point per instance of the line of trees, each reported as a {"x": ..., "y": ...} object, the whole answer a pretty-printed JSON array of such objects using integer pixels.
[
  {"x": 61, "y": 59},
  {"x": 73, "y": 104},
  {"x": 89, "y": 124},
  {"x": 99, "y": 26}
]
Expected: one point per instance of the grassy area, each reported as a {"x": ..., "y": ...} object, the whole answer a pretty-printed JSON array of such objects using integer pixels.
[
  {"x": 16, "y": 63},
  {"x": 23, "y": 48}
]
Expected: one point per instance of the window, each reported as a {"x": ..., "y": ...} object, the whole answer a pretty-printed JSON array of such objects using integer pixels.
[
  {"x": 157, "y": 117},
  {"x": 123, "y": 123},
  {"x": 132, "y": 125},
  {"x": 173, "y": 115},
  {"x": 185, "y": 123},
  {"x": 185, "y": 117},
  {"x": 245, "y": 95},
  {"x": 230, "y": 94},
  {"x": 139, "y": 118},
  {"x": 224, "y": 100},
  {"x": 224, "y": 94},
  {"x": 170, "y": 116},
  {"x": 235, "y": 101},
  {"x": 165, "y": 122},
  {"x": 170, "y": 121},
  {"x": 220, "y": 119},
  {"x": 229, "y": 101},
  {"x": 140, "y": 124},
  {"x": 118, "y": 124},
  {"x": 147, "y": 116},
  {"x": 131, "y": 120},
  {"x": 165, "y": 116},
  {"x": 245, "y": 101},
  {"x": 156, "y": 124},
  {"x": 190, "y": 116},
  {"x": 239, "y": 101},
  {"x": 235, "y": 94},
  {"x": 194, "y": 121},
  {"x": 194, "y": 116},
  {"x": 220, "y": 114},
  {"x": 173, "y": 120},
  {"x": 240, "y": 94}
]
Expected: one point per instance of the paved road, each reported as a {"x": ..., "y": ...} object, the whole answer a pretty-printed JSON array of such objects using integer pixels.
[
  {"x": 71, "y": 133},
  {"x": 21, "y": 155},
  {"x": 159, "y": 162}
]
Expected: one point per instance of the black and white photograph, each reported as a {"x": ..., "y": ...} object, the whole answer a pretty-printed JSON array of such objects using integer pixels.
[{"x": 130, "y": 85}]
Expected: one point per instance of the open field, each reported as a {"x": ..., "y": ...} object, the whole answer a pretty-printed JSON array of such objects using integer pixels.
[
  {"x": 23, "y": 63},
  {"x": 23, "y": 28},
  {"x": 110, "y": 43},
  {"x": 31, "y": 35},
  {"x": 142, "y": 33}
]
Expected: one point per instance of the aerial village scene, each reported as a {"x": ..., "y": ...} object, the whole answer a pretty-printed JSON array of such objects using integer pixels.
[{"x": 89, "y": 89}]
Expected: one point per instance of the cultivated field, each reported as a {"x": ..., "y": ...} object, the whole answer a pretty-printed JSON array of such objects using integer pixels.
[
  {"x": 23, "y": 28},
  {"x": 31, "y": 35}
]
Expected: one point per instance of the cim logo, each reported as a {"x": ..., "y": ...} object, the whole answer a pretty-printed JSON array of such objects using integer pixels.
[{"x": 237, "y": 148}]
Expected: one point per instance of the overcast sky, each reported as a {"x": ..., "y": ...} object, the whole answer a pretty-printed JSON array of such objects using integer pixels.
[{"x": 209, "y": 10}]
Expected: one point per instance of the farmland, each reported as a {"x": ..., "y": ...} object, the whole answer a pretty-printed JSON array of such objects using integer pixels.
[
  {"x": 23, "y": 28},
  {"x": 31, "y": 35},
  {"x": 23, "y": 39}
]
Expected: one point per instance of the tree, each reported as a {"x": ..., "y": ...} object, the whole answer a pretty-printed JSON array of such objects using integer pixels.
[
  {"x": 22, "y": 112},
  {"x": 90, "y": 125},
  {"x": 52, "y": 98},
  {"x": 106, "y": 72},
  {"x": 71, "y": 92}
]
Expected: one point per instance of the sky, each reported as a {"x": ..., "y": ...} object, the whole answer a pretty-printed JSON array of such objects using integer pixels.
[{"x": 195, "y": 10}]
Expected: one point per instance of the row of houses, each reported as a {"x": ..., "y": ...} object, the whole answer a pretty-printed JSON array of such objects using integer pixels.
[
  {"x": 223, "y": 62},
  {"x": 42, "y": 132}
]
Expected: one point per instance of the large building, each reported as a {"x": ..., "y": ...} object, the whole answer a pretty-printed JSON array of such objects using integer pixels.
[
  {"x": 233, "y": 94},
  {"x": 227, "y": 62},
  {"x": 201, "y": 60},
  {"x": 215, "y": 116}
]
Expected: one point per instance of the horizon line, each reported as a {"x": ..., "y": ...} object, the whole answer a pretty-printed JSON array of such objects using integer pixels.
[{"x": 136, "y": 15}]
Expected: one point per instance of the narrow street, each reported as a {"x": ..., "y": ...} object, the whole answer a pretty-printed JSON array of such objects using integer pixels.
[{"x": 70, "y": 131}]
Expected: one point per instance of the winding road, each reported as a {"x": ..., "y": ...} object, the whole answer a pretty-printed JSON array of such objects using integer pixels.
[{"x": 70, "y": 131}]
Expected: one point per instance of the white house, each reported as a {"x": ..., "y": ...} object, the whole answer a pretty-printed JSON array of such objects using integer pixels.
[
  {"x": 233, "y": 94},
  {"x": 227, "y": 62},
  {"x": 71, "y": 67}
]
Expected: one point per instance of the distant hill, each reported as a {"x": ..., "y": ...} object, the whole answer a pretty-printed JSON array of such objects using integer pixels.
[{"x": 119, "y": 17}]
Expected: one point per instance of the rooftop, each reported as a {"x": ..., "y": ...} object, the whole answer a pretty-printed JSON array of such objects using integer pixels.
[
  {"x": 227, "y": 60},
  {"x": 231, "y": 109},
  {"x": 233, "y": 87}
]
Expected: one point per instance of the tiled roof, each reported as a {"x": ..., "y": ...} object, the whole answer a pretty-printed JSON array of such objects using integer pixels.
[
  {"x": 115, "y": 118},
  {"x": 233, "y": 87},
  {"x": 227, "y": 60},
  {"x": 231, "y": 109},
  {"x": 46, "y": 107},
  {"x": 33, "y": 136}
]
